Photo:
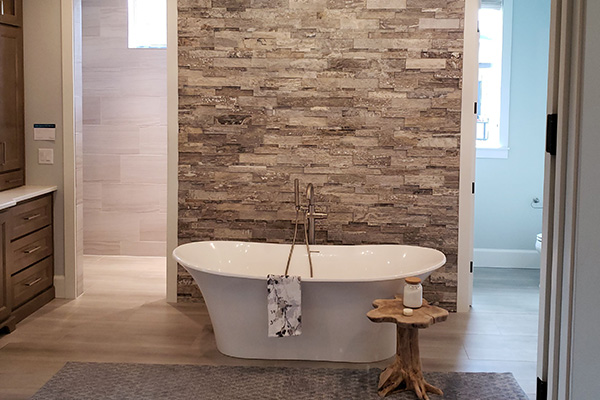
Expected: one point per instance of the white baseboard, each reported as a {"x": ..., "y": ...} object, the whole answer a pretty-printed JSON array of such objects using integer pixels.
[
  {"x": 506, "y": 258},
  {"x": 59, "y": 286}
]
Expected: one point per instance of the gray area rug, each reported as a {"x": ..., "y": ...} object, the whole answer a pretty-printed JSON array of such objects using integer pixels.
[{"x": 84, "y": 381}]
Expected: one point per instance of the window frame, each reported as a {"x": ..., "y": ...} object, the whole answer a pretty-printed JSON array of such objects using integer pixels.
[
  {"x": 503, "y": 150},
  {"x": 135, "y": 30}
]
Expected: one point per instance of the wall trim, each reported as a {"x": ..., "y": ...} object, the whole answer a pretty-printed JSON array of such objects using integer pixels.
[
  {"x": 505, "y": 78},
  {"x": 172, "y": 148},
  {"x": 70, "y": 213},
  {"x": 466, "y": 209},
  {"x": 59, "y": 286},
  {"x": 506, "y": 258}
]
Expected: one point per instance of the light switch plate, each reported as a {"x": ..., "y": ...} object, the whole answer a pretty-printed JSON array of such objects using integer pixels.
[{"x": 46, "y": 156}]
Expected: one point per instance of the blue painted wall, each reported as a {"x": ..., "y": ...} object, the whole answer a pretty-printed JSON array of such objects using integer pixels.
[{"x": 505, "y": 187}]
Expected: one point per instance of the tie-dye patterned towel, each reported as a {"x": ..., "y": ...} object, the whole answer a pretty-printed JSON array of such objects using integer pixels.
[{"x": 283, "y": 305}]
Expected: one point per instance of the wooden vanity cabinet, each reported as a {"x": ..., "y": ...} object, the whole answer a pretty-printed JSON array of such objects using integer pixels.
[
  {"x": 5, "y": 294},
  {"x": 28, "y": 260},
  {"x": 26, "y": 229},
  {"x": 11, "y": 12},
  {"x": 12, "y": 130}
]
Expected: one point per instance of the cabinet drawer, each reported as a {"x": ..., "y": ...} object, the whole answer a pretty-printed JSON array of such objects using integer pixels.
[
  {"x": 11, "y": 180},
  {"x": 32, "y": 281},
  {"x": 30, "y": 249},
  {"x": 11, "y": 12},
  {"x": 27, "y": 217}
]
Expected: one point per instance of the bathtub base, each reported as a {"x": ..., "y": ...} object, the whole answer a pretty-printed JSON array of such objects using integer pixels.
[
  {"x": 335, "y": 299},
  {"x": 307, "y": 349},
  {"x": 340, "y": 332}
]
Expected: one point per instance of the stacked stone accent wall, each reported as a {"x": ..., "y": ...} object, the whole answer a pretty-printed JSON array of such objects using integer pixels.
[{"x": 360, "y": 97}]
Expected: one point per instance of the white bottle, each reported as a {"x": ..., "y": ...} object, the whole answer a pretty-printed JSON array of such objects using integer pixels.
[{"x": 413, "y": 292}]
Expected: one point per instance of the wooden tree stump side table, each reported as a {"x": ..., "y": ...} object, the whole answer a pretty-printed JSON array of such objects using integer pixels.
[{"x": 407, "y": 365}]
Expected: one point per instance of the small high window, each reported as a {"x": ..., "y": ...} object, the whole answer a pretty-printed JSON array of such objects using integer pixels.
[
  {"x": 147, "y": 28},
  {"x": 494, "y": 80}
]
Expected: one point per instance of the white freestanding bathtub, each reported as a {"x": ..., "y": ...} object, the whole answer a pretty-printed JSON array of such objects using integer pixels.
[{"x": 232, "y": 278}]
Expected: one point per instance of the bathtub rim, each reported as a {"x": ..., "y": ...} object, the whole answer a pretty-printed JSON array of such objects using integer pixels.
[{"x": 421, "y": 272}]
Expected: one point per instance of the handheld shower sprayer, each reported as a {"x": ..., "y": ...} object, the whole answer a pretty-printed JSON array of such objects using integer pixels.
[{"x": 297, "y": 193}]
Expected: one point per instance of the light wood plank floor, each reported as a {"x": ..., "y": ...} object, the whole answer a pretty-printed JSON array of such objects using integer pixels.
[{"x": 123, "y": 317}]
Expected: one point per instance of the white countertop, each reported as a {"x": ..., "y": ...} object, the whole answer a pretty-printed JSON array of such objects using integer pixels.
[{"x": 11, "y": 197}]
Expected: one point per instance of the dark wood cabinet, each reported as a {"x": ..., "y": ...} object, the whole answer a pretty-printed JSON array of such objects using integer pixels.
[
  {"x": 11, "y": 12},
  {"x": 5, "y": 284},
  {"x": 12, "y": 130},
  {"x": 27, "y": 260}
]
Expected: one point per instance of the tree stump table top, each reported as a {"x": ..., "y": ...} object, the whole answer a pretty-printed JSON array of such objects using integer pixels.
[
  {"x": 391, "y": 310},
  {"x": 405, "y": 373}
]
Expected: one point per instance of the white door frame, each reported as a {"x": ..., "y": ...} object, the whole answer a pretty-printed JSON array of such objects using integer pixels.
[
  {"x": 560, "y": 192},
  {"x": 172, "y": 148},
  {"x": 466, "y": 209},
  {"x": 69, "y": 165}
]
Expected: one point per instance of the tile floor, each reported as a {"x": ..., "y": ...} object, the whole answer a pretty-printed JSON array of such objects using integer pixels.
[{"x": 123, "y": 317}]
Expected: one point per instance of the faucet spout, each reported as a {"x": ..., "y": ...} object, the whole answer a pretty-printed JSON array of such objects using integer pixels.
[
  {"x": 310, "y": 194},
  {"x": 311, "y": 214}
]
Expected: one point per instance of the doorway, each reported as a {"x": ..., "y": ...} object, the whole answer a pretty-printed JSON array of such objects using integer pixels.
[
  {"x": 510, "y": 150},
  {"x": 124, "y": 134}
]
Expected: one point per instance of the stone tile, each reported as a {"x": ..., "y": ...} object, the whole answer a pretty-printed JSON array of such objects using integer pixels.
[
  {"x": 99, "y": 82},
  {"x": 152, "y": 249},
  {"x": 143, "y": 169},
  {"x": 153, "y": 227},
  {"x": 90, "y": 18},
  {"x": 106, "y": 139},
  {"x": 113, "y": 21},
  {"x": 438, "y": 23},
  {"x": 132, "y": 110},
  {"x": 407, "y": 44},
  {"x": 101, "y": 168},
  {"x": 131, "y": 197},
  {"x": 425, "y": 63},
  {"x": 361, "y": 98},
  {"x": 114, "y": 225},
  {"x": 143, "y": 81},
  {"x": 92, "y": 196},
  {"x": 501, "y": 347},
  {"x": 100, "y": 246},
  {"x": 386, "y": 4},
  {"x": 153, "y": 140},
  {"x": 125, "y": 115},
  {"x": 91, "y": 110}
]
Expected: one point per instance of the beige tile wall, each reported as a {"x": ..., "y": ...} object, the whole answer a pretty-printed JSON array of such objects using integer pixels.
[{"x": 124, "y": 137}]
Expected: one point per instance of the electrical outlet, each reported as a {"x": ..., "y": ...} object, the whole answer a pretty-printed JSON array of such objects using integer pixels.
[{"x": 45, "y": 156}]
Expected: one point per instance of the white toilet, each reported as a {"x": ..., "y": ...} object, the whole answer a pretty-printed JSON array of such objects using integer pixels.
[{"x": 538, "y": 243}]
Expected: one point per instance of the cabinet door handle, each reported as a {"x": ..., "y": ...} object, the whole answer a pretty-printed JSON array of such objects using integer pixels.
[
  {"x": 32, "y": 250},
  {"x": 31, "y": 217},
  {"x": 33, "y": 283},
  {"x": 3, "y": 153}
]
